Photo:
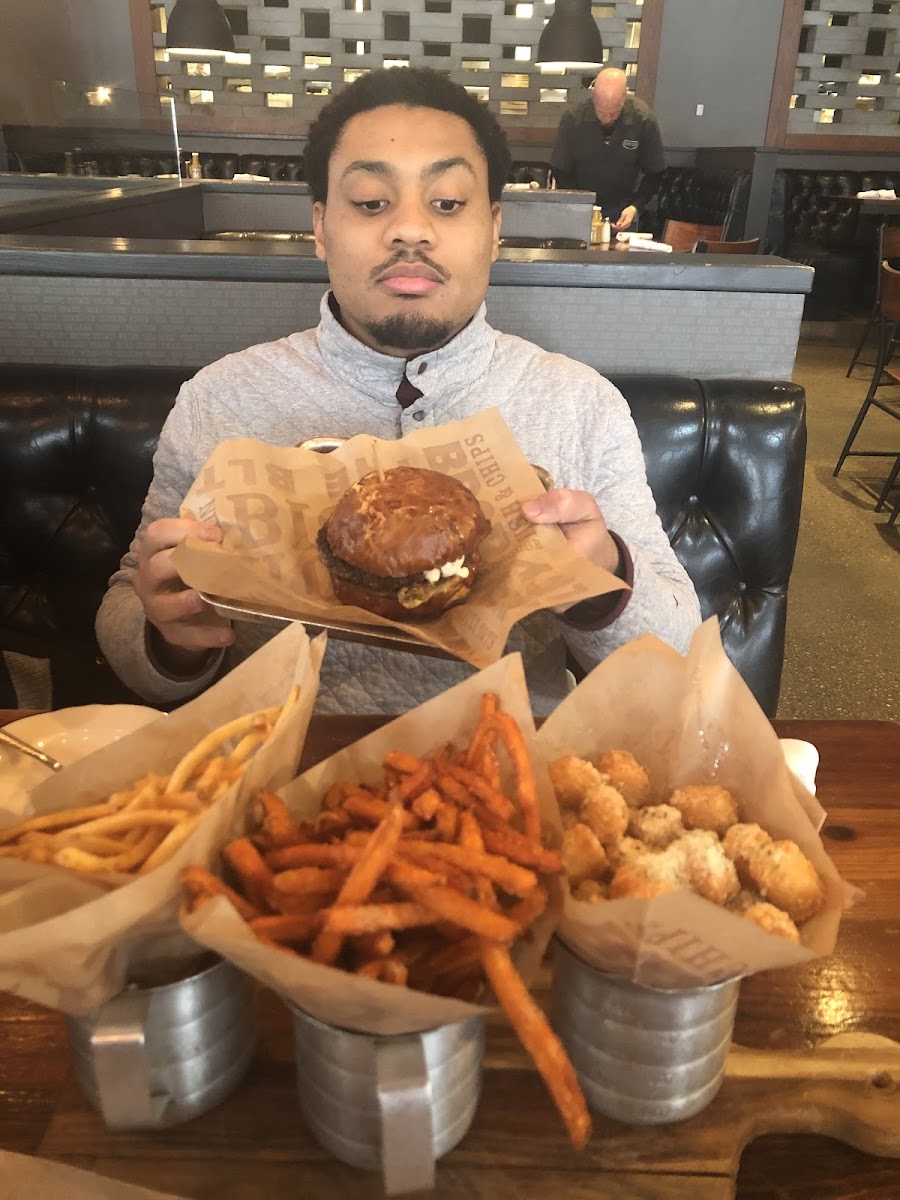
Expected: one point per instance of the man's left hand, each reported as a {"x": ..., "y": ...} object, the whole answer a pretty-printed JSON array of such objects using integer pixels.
[
  {"x": 625, "y": 219},
  {"x": 581, "y": 521}
]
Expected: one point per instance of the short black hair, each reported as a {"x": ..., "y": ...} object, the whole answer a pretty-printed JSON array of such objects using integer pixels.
[{"x": 416, "y": 87}]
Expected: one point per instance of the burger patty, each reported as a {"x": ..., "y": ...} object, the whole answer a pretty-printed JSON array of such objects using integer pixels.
[{"x": 385, "y": 585}]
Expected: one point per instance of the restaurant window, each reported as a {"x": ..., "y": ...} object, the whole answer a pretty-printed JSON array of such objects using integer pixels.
[
  {"x": 475, "y": 64},
  {"x": 318, "y": 87},
  {"x": 161, "y": 55},
  {"x": 513, "y": 108},
  {"x": 522, "y": 11},
  {"x": 632, "y": 35},
  {"x": 866, "y": 103},
  {"x": 199, "y": 97},
  {"x": 311, "y": 61},
  {"x": 875, "y": 42},
  {"x": 279, "y": 100},
  {"x": 357, "y": 5},
  {"x": 554, "y": 95},
  {"x": 274, "y": 71},
  {"x": 603, "y": 12},
  {"x": 869, "y": 80},
  {"x": 884, "y": 8},
  {"x": 395, "y": 62},
  {"x": 826, "y": 116},
  {"x": 237, "y": 19},
  {"x": 437, "y": 6},
  {"x": 839, "y": 19},
  {"x": 436, "y": 49},
  {"x": 396, "y": 27},
  {"x": 164, "y": 83},
  {"x": 316, "y": 24},
  {"x": 278, "y": 44},
  {"x": 480, "y": 93},
  {"x": 194, "y": 68},
  {"x": 351, "y": 74},
  {"x": 357, "y": 47},
  {"x": 476, "y": 29},
  {"x": 514, "y": 81},
  {"x": 236, "y": 83}
]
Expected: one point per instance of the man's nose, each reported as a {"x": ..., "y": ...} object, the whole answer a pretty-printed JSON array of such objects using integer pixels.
[{"x": 411, "y": 223}]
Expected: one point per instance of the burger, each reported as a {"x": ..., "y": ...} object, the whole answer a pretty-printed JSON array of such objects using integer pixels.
[{"x": 404, "y": 543}]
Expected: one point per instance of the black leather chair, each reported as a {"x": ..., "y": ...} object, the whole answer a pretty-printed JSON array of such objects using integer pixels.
[{"x": 724, "y": 459}]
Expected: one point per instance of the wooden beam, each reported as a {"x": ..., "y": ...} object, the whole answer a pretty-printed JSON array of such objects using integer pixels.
[
  {"x": 785, "y": 66},
  {"x": 648, "y": 51}
]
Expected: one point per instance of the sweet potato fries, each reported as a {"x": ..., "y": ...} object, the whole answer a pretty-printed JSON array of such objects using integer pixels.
[{"x": 425, "y": 881}]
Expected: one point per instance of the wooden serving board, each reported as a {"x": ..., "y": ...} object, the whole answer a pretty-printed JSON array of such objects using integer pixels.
[{"x": 256, "y": 1144}]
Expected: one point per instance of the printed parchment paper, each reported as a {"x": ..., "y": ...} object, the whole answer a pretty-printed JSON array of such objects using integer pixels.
[
  {"x": 271, "y": 501},
  {"x": 338, "y": 997},
  {"x": 67, "y": 941},
  {"x": 689, "y": 719}
]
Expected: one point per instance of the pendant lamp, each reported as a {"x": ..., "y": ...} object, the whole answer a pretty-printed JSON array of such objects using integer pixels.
[
  {"x": 199, "y": 28},
  {"x": 571, "y": 38}
]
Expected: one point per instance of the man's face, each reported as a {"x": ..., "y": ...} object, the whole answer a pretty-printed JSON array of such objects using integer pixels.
[
  {"x": 608, "y": 102},
  {"x": 408, "y": 231}
]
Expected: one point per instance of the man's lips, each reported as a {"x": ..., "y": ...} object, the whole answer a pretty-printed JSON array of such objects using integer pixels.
[{"x": 410, "y": 279}]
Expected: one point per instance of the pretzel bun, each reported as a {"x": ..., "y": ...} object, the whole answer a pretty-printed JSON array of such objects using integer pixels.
[{"x": 387, "y": 531}]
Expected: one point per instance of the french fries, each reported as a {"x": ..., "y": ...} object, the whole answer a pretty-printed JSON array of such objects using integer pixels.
[
  {"x": 426, "y": 881},
  {"x": 137, "y": 830}
]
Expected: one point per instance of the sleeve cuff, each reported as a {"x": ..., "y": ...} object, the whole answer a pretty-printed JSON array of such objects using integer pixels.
[
  {"x": 589, "y": 616},
  {"x": 208, "y": 665}
]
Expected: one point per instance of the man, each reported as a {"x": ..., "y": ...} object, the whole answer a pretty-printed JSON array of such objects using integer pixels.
[
  {"x": 406, "y": 172},
  {"x": 610, "y": 145}
]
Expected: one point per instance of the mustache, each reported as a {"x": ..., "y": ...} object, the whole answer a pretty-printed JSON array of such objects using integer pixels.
[{"x": 409, "y": 260}]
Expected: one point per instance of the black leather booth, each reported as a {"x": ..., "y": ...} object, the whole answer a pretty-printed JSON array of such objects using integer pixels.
[
  {"x": 702, "y": 196},
  {"x": 724, "y": 459},
  {"x": 817, "y": 222},
  {"x": 149, "y": 163}
]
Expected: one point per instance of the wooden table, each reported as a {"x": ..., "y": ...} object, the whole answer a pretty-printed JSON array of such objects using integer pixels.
[{"x": 255, "y": 1145}]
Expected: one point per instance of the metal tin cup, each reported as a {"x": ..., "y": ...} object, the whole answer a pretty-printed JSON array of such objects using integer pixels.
[
  {"x": 643, "y": 1055},
  {"x": 153, "y": 1057},
  {"x": 394, "y": 1104}
]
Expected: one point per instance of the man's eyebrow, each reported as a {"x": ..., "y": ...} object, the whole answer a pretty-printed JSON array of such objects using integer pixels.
[{"x": 379, "y": 167}]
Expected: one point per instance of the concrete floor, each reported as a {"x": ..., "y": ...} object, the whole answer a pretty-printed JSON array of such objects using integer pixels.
[{"x": 843, "y": 631}]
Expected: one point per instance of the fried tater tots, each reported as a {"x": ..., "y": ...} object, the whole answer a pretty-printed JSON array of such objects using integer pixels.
[
  {"x": 710, "y": 871},
  {"x": 604, "y": 810},
  {"x": 624, "y": 849},
  {"x": 742, "y": 843},
  {"x": 627, "y": 776},
  {"x": 572, "y": 778},
  {"x": 568, "y": 817},
  {"x": 773, "y": 920},
  {"x": 647, "y": 875},
  {"x": 705, "y": 806},
  {"x": 583, "y": 853},
  {"x": 657, "y": 825},
  {"x": 786, "y": 878},
  {"x": 590, "y": 891},
  {"x": 745, "y": 899}
]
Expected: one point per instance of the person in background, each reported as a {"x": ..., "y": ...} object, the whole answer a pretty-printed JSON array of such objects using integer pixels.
[
  {"x": 610, "y": 144},
  {"x": 406, "y": 171}
]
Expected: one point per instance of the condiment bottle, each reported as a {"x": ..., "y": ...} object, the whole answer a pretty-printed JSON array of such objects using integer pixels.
[
  {"x": 605, "y": 232},
  {"x": 195, "y": 170},
  {"x": 596, "y": 225}
]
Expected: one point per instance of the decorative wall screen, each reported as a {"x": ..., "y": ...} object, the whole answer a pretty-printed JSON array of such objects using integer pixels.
[
  {"x": 293, "y": 56},
  {"x": 847, "y": 79}
]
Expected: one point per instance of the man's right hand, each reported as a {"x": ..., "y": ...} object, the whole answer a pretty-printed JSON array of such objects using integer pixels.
[{"x": 186, "y": 627}]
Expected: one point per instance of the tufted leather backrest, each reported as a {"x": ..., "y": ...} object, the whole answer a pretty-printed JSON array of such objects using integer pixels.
[
  {"x": 703, "y": 196},
  {"x": 148, "y": 163},
  {"x": 724, "y": 459}
]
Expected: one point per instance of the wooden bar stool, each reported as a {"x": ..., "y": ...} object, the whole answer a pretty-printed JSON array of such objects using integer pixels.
[
  {"x": 884, "y": 373},
  {"x": 888, "y": 247},
  {"x": 683, "y": 236}
]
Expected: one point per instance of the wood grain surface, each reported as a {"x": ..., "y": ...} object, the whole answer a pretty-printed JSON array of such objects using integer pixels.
[{"x": 807, "y": 1109}]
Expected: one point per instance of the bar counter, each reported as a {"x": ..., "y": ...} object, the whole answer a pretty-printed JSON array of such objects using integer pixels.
[
  {"x": 136, "y": 276},
  {"x": 255, "y": 1144}
]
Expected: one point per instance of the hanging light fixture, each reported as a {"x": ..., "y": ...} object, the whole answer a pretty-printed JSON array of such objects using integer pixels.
[
  {"x": 571, "y": 39},
  {"x": 199, "y": 29}
]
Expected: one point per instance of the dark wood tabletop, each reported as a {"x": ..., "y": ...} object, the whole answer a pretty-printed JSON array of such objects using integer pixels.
[{"x": 255, "y": 1144}]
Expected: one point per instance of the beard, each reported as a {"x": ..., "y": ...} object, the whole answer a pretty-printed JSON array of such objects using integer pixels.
[{"x": 411, "y": 331}]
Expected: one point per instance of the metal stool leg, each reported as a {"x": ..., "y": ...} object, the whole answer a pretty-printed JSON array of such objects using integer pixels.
[
  {"x": 885, "y": 349},
  {"x": 873, "y": 317},
  {"x": 891, "y": 479}
]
